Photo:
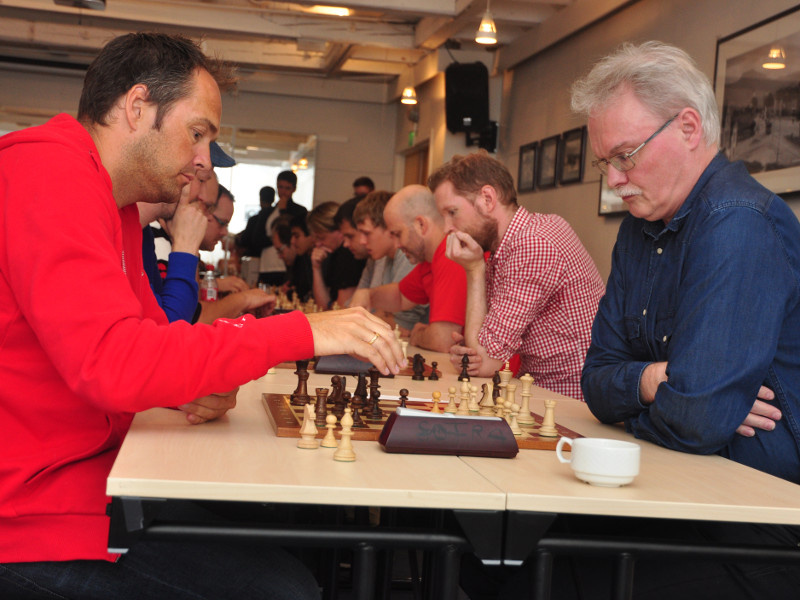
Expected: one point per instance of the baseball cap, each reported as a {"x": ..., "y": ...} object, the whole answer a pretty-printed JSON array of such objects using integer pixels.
[{"x": 219, "y": 158}]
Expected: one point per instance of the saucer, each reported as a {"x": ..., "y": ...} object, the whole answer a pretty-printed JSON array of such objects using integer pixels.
[{"x": 604, "y": 480}]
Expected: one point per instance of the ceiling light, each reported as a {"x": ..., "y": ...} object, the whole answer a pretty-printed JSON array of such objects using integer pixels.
[
  {"x": 335, "y": 11},
  {"x": 487, "y": 32},
  {"x": 302, "y": 163},
  {"x": 409, "y": 96},
  {"x": 776, "y": 59}
]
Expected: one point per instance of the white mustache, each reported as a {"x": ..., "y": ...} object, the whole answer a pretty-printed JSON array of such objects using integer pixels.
[{"x": 627, "y": 190}]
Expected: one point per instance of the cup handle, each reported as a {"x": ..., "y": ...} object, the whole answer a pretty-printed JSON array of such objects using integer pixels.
[{"x": 561, "y": 442}]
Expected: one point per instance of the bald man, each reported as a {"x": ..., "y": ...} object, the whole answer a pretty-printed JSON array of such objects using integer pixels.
[{"x": 413, "y": 221}]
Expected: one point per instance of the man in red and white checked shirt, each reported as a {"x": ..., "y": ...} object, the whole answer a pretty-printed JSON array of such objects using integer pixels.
[{"x": 537, "y": 294}]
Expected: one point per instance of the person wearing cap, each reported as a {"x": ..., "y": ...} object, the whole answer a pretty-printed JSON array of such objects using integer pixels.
[{"x": 180, "y": 230}]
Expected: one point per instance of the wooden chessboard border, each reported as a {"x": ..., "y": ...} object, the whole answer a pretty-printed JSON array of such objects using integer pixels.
[{"x": 286, "y": 423}]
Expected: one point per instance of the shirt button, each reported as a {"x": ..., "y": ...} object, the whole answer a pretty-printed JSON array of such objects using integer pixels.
[
  {"x": 664, "y": 339},
  {"x": 659, "y": 250},
  {"x": 644, "y": 312}
]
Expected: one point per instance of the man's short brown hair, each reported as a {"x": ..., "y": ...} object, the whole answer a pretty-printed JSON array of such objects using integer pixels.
[
  {"x": 372, "y": 207},
  {"x": 165, "y": 64},
  {"x": 468, "y": 174}
]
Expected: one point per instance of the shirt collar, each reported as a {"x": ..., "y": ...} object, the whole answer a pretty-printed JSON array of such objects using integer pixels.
[{"x": 656, "y": 228}]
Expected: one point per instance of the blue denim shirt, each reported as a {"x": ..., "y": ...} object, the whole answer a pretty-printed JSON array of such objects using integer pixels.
[{"x": 716, "y": 294}]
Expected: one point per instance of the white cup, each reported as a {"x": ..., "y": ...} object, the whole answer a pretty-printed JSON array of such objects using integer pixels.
[{"x": 598, "y": 461}]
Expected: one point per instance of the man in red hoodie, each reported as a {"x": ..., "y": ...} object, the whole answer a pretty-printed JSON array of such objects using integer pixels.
[{"x": 84, "y": 344}]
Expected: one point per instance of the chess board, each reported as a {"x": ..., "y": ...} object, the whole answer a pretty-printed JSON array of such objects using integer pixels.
[
  {"x": 286, "y": 419},
  {"x": 407, "y": 372}
]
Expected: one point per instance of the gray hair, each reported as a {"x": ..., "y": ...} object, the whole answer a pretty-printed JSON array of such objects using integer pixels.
[{"x": 664, "y": 78}]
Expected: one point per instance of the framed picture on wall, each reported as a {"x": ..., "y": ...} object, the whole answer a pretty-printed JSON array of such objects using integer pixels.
[
  {"x": 527, "y": 164},
  {"x": 759, "y": 100},
  {"x": 547, "y": 162},
  {"x": 571, "y": 155},
  {"x": 610, "y": 203}
]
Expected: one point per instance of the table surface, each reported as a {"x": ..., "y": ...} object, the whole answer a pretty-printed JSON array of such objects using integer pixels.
[{"x": 239, "y": 458}]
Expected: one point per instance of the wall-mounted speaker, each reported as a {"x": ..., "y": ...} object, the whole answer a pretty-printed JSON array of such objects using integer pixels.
[{"x": 466, "y": 96}]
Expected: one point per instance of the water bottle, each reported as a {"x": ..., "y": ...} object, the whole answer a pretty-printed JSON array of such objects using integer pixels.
[{"x": 209, "y": 289}]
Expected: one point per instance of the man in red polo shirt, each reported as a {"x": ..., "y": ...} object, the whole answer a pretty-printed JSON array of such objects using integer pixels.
[{"x": 412, "y": 219}]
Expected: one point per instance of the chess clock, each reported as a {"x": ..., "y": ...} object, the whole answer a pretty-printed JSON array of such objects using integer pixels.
[{"x": 410, "y": 431}]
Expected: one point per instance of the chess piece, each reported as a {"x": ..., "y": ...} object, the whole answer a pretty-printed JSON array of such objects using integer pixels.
[
  {"x": 418, "y": 368},
  {"x": 451, "y": 407},
  {"x": 525, "y": 418},
  {"x": 308, "y": 431},
  {"x": 463, "y": 404},
  {"x": 321, "y": 407},
  {"x": 548, "y": 428},
  {"x": 464, "y": 375},
  {"x": 404, "y": 346},
  {"x": 329, "y": 441},
  {"x": 511, "y": 393},
  {"x": 434, "y": 376},
  {"x": 505, "y": 377},
  {"x": 473, "y": 399},
  {"x": 515, "y": 428},
  {"x": 397, "y": 332},
  {"x": 403, "y": 397},
  {"x": 436, "y": 397},
  {"x": 300, "y": 395},
  {"x": 375, "y": 412},
  {"x": 487, "y": 403},
  {"x": 496, "y": 387},
  {"x": 345, "y": 452}
]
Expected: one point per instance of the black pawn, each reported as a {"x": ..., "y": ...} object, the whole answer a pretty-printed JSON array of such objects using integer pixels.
[
  {"x": 403, "y": 397},
  {"x": 464, "y": 376},
  {"x": 434, "y": 376}
]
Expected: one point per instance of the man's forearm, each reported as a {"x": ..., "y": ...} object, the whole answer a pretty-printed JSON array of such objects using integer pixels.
[
  {"x": 319, "y": 289},
  {"x": 436, "y": 336}
]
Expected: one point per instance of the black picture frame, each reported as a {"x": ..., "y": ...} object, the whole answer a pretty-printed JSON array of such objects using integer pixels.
[
  {"x": 571, "y": 156},
  {"x": 527, "y": 168},
  {"x": 610, "y": 203},
  {"x": 547, "y": 163},
  {"x": 758, "y": 107}
]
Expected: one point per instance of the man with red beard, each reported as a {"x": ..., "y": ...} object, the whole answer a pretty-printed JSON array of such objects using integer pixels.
[{"x": 537, "y": 294}]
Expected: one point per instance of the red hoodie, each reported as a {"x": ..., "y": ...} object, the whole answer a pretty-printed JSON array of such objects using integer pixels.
[{"x": 84, "y": 345}]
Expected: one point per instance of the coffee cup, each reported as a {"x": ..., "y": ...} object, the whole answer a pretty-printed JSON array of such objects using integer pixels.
[{"x": 599, "y": 461}]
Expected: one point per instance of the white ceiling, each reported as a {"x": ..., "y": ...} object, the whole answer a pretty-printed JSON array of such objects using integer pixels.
[{"x": 372, "y": 53}]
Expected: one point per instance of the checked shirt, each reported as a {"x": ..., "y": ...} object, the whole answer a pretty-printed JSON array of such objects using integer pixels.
[{"x": 542, "y": 291}]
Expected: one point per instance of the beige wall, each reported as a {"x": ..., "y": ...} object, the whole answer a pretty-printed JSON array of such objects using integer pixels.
[{"x": 536, "y": 94}]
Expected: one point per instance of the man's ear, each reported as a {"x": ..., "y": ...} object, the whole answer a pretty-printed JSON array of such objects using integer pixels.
[
  {"x": 691, "y": 127},
  {"x": 136, "y": 105},
  {"x": 421, "y": 225},
  {"x": 486, "y": 199}
]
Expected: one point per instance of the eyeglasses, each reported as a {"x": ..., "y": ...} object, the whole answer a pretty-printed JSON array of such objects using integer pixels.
[
  {"x": 624, "y": 161},
  {"x": 219, "y": 221}
]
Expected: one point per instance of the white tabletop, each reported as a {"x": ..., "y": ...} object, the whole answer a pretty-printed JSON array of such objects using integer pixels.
[
  {"x": 240, "y": 458},
  {"x": 670, "y": 484}
]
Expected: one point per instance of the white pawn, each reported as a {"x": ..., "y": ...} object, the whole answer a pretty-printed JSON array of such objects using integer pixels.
[
  {"x": 474, "y": 407},
  {"x": 329, "y": 441},
  {"x": 308, "y": 431},
  {"x": 515, "y": 428},
  {"x": 404, "y": 346},
  {"x": 436, "y": 397},
  {"x": 463, "y": 404},
  {"x": 397, "y": 331},
  {"x": 344, "y": 452},
  {"x": 487, "y": 402},
  {"x": 451, "y": 407}
]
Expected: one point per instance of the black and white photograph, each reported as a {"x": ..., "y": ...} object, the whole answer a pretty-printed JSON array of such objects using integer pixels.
[
  {"x": 527, "y": 163},
  {"x": 610, "y": 203},
  {"x": 547, "y": 163},
  {"x": 571, "y": 155},
  {"x": 759, "y": 98}
]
